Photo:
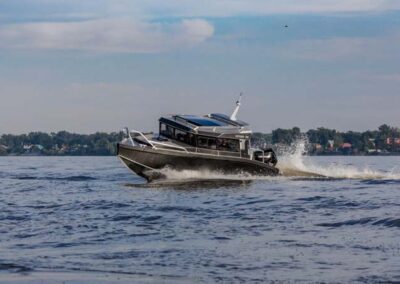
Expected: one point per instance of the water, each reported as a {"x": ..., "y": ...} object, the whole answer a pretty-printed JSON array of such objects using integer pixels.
[{"x": 89, "y": 220}]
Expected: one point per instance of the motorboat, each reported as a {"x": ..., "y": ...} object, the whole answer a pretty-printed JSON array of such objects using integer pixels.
[{"x": 215, "y": 143}]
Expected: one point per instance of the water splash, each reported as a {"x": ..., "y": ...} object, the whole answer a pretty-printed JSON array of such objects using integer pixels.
[
  {"x": 293, "y": 163},
  {"x": 171, "y": 174}
]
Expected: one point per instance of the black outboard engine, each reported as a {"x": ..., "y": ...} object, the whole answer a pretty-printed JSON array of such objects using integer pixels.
[{"x": 267, "y": 156}]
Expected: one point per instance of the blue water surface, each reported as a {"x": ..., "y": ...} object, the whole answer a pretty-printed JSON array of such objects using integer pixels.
[{"x": 90, "y": 220}]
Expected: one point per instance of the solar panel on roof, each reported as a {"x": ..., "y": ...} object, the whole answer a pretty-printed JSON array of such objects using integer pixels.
[
  {"x": 220, "y": 115},
  {"x": 202, "y": 121},
  {"x": 227, "y": 119}
]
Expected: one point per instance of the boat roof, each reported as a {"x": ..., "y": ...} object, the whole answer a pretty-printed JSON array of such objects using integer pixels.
[
  {"x": 201, "y": 120},
  {"x": 212, "y": 124},
  {"x": 224, "y": 118}
]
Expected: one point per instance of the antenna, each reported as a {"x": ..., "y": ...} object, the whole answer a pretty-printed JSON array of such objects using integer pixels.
[{"x": 236, "y": 110}]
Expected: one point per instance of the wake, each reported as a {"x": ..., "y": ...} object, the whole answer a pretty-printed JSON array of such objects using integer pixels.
[{"x": 294, "y": 164}]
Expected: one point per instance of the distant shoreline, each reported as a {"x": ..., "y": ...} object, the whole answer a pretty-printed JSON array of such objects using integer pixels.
[{"x": 385, "y": 141}]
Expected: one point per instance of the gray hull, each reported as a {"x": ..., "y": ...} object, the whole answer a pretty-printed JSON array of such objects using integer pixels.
[{"x": 146, "y": 162}]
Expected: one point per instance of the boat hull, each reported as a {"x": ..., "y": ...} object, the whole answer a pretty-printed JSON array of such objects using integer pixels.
[{"x": 147, "y": 162}]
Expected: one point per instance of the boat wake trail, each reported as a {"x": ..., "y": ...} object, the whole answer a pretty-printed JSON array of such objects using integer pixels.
[
  {"x": 293, "y": 163},
  {"x": 189, "y": 175}
]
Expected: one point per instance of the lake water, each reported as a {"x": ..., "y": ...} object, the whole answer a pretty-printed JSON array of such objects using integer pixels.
[{"x": 90, "y": 220}]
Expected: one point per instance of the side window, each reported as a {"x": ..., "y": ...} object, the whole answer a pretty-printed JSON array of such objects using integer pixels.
[
  {"x": 230, "y": 145},
  {"x": 202, "y": 142},
  {"x": 192, "y": 140},
  {"x": 170, "y": 132},
  {"x": 207, "y": 142},
  {"x": 167, "y": 130},
  {"x": 181, "y": 136},
  {"x": 163, "y": 129},
  {"x": 233, "y": 145},
  {"x": 212, "y": 144}
]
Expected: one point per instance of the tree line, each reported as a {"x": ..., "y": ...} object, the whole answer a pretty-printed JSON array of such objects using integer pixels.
[
  {"x": 60, "y": 143},
  {"x": 384, "y": 140}
]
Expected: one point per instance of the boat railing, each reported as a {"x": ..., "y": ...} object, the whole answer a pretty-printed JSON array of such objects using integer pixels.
[
  {"x": 169, "y": 146},
  {"x": 153, "y": 143},
  {"x": 156, "y": 145},
  {"x": 214, "y": 152}
]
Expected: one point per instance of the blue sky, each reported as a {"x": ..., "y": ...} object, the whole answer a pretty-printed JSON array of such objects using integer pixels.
[{"x": 99, "y": 65}]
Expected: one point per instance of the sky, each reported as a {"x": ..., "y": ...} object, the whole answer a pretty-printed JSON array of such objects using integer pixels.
[{"x": 100, "y": 65}]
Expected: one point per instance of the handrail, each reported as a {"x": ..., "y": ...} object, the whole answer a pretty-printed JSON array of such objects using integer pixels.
[
  {"x": 129, "y": 135},
  {"x": 141, "y": 134},
  {"x": 171, "y": 146},
  {"x": 196, "y": 149},
  {"x": 153, "y": 143},
  {"x": 215, "y": 152}
]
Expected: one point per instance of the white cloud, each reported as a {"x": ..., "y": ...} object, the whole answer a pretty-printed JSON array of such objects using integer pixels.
[
  {"x": 106, "y": 35},
  {"x": 49, "y": 9}
]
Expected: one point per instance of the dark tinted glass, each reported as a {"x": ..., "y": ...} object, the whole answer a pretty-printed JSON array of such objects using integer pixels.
[{"x": 202, "y": 121}]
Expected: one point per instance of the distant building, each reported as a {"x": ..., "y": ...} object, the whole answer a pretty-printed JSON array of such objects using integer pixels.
[
  {"x": 317, "y": 147},
  {"x": 346, "y": 146},
  {"x": 392, "y": 141},
  {"x": 40, "y": 147},
  {"x": 330, "y": 144},
  {"x": 3, "y": 150},
  {"x": 27, "y": 147},
  {"x": 33, "y": 148},
  {"x": 64, "y": 147}
]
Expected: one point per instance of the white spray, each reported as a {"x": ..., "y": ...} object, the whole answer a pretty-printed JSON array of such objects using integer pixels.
[{"x": 294, "y": 163}]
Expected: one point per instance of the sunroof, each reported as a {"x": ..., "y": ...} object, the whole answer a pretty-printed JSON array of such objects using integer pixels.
[{"x": 201, "y": 121}]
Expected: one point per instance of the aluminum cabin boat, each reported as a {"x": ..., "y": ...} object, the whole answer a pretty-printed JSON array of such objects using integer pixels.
[{"x": 214, "y": 143}]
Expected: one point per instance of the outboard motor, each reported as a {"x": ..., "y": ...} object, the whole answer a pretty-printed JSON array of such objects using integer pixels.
[{"x": 267, "y": 156}]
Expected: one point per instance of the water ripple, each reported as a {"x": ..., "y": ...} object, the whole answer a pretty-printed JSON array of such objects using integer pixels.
[{"x": 77, "y": 215}]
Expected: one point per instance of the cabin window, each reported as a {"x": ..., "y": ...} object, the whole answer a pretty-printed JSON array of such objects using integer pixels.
[
  {"x": 192, "y": 140},
  {"x": 230, "y": 145},
  {"x": 202, "y": 142},
  {"x": 163, "y": 129},
  {"x": 182, "y": 136},
  {"x": 185, "y": 137},
  {"x": 207, "y": 142},
  {"x": 212, "y": 144},
  {"x": 166, "y": 130},
  {"x": 170, "y": 131}
]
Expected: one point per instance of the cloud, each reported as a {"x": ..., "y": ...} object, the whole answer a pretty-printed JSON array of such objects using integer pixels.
[
  {"x": 49, "y": 9},
  {"x": 106, "y": 35},
  {"x": 101, "y": 106},
  {"x": 194, "y": 8}
]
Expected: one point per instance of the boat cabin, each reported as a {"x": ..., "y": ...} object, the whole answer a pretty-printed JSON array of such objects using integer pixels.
[{"x": 213, "y": 132}]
